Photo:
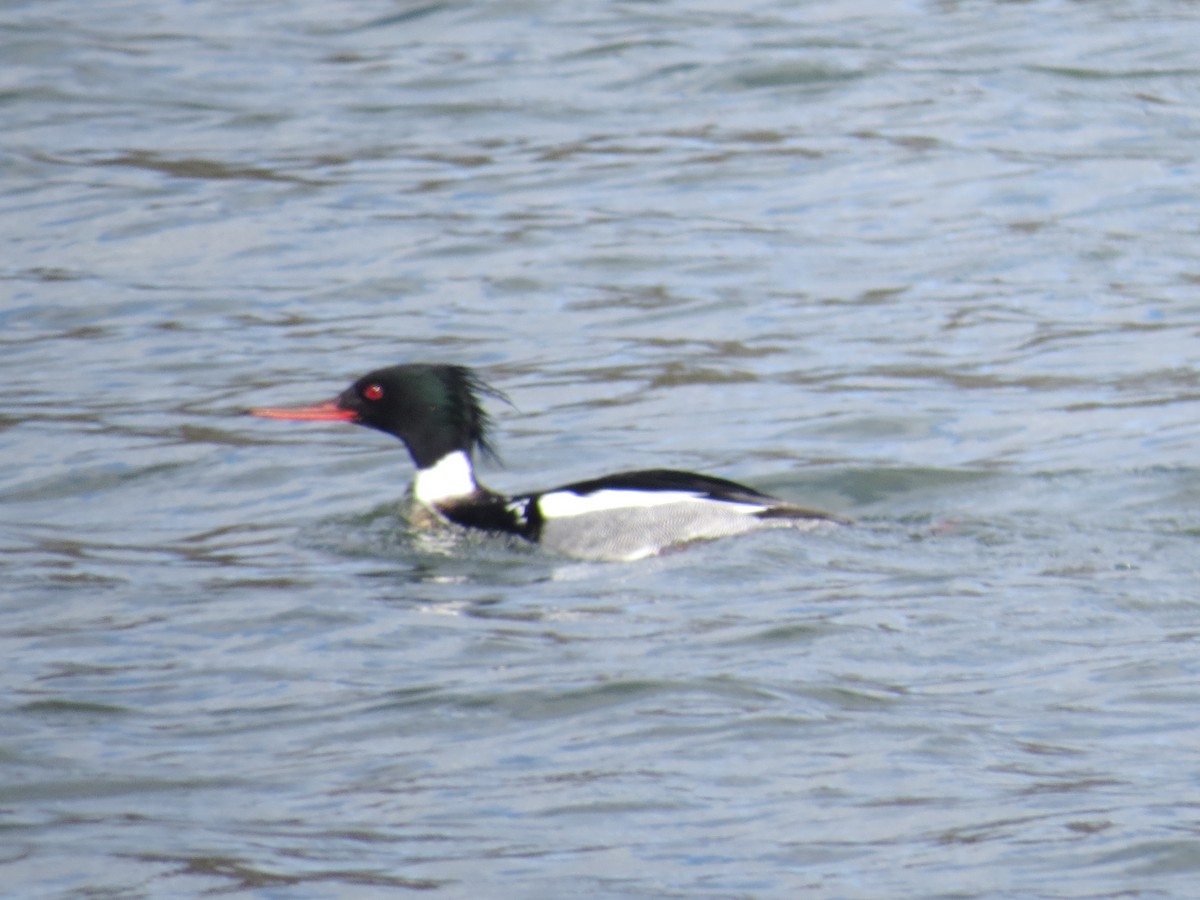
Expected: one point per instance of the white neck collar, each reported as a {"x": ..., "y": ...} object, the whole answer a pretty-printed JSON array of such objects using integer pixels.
[{"x": 448, "y": 478}]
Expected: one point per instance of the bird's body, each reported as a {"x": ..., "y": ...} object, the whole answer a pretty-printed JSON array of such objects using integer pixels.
[{"x": 436, "y": 411}]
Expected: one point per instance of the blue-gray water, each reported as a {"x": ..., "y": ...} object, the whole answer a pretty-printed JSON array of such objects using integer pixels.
[{"x": 931, "y": 265}]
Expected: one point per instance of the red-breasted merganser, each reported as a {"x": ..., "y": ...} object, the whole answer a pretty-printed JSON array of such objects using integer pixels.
[{"x": 436, "y": 411}]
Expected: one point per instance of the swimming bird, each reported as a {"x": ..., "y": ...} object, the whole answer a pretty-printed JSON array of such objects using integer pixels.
[{"x": 437, "y": 411}]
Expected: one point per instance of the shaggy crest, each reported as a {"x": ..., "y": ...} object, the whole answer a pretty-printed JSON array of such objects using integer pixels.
[{"x": 464, "y": 388}]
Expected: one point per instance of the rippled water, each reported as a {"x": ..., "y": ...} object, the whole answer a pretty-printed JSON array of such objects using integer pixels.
[{"x": 931, "y": 265}]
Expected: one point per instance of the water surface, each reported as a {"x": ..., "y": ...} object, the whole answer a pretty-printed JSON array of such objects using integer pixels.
[{"x": 930, "y": 265}]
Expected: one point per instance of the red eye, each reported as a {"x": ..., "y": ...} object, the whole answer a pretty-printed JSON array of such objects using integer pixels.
[{"x": 373, "y": 392}]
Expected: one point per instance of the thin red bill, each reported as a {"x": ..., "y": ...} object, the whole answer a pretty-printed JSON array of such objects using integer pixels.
[{"x": 318, "y": 412}]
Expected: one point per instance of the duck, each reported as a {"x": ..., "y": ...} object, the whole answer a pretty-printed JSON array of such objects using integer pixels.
[{"x": 436, "y": 410}]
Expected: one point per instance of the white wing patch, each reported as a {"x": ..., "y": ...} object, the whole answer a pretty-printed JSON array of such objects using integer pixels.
[
  {"x": 520, "y": 510},
  {"x": 564, "y": 504}
]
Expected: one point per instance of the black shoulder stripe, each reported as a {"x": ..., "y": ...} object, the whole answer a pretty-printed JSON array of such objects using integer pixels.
[{"x": 495, "y": 514}]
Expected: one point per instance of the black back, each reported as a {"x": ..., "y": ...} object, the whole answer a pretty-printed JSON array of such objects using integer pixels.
[{"x": 670, "y": 480}]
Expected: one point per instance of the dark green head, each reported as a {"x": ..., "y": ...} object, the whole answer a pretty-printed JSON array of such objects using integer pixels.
[{"x": 435, "y": 409}]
